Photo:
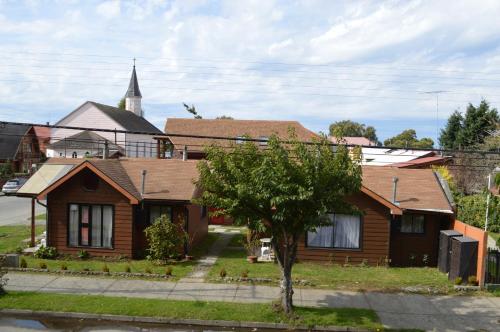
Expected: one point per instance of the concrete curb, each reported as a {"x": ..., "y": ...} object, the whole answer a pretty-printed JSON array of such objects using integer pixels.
[{"x": 161, "y": 320}]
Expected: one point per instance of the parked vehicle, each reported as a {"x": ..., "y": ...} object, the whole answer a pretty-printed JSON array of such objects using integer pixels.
[{"x": 13, "y": 185}]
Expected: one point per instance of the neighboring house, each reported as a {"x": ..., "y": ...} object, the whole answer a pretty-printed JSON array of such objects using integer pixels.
[
  {"x": 85, "y": 144},
  {"x": 103, "y": 206},
  {"x": 19, "y": 147},
  {"x": 43, "y": 136},
  {"x": 424, "y": 162},
  {"x": 225, "y": 128},
  {"x": 403, "y": 232},
  {"x": 363, "y": 141},
  {"x": 94, "y": 115},
  {"x": 397, "y": 157}
]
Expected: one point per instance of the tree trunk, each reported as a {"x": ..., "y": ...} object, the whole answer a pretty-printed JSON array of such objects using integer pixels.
[{"x": 285, "y": 254}]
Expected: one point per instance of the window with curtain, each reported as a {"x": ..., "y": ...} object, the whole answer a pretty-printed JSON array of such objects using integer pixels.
[
  {"x": 156, "y": 211},
  {"x": 344, "y": 232},
  {"x": 90, "y": 225},
  {"x": 412, "y": 224}
]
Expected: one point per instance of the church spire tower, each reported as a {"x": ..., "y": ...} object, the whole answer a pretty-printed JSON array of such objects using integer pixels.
[{"x": 133, "y": 96}]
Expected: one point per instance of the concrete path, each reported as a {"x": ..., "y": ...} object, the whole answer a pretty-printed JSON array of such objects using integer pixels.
[
  {"x": 439, "y": 313},
  {"x": 200, "y": 271}
]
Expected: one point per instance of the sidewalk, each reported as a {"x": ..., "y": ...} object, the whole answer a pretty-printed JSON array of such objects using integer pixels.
[{"x": 442, "y": 313}]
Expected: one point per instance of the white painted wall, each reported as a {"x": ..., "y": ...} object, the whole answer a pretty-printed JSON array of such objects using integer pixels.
[{"x": 140, "y": 146}]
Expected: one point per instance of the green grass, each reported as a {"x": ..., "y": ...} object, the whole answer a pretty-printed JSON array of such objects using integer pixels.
[
  {"x": 237, "y": 240},
  {"x": 335, "y": 276},
  {"x": 179, "y": 269},
  {"x": 11, "y": 237},
  {"x": 362, "y": 318},
  {"x": 41, "y": 216}
]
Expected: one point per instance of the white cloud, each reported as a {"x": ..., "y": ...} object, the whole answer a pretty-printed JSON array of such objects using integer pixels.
[{"x": 109, "y": 9}]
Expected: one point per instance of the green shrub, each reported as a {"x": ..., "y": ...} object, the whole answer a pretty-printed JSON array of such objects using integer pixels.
[
  {"x": 64, "y": 267},
  {"x": 83, "y": 254},
  {"x": 3, "y": 281},
  {"x": 46, "y": 252},
  {"x": 165, "y": 239},
  {"x": 168, "y": 271},
  {"x": 19, "y": 250},
  {"x": 425, "y": 259},
  {"x": 42, "y": 265},
  {"x": 472, "y": 280},
  {"x": 105, "y": 268},
  {"x": 458, "y": 281},
  {"x": 148, "y": 270},
  {"x": 472, "y": 210},
  {"x": 128, "y": 269},
  {"x": 244, "y": 273},
  {"x": 222, "y": 273},
  {"x": 23, "y": 264}
]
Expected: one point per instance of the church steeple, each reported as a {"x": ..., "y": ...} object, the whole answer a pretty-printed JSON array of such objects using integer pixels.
[{"x": 133, "y": 96}]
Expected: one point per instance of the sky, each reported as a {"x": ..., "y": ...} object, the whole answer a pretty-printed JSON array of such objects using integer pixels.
[{"x": 317, "y": 62}]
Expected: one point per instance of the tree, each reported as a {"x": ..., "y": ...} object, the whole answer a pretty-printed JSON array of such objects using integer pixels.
[
  {"x": 224, "y": 117},
  {"x": 191, "y": 109},
  {"x": 121, "y": 104},
  {"x": 286, "y": 188},
  {"x": 348, "y": 128},
  {"x": 472, "y": 129},
  {"x": 450, "y": 136},
  {"x": 408, "y": 139}
]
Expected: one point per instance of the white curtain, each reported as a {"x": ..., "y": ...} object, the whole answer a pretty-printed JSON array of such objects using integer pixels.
[
  {"x": 73, "y": 225},
  {"x": 96, "y": 226},
  {"x": 107, "y": 226},
  {"x": 347, "y": 229},
  {"x": 322, "y": 236}
]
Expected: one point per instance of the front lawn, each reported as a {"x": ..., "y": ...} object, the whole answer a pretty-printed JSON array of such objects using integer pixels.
[
  {"x": 334, "y": 276},
  {"x": 360, "y": 318},
  {"x": 11, "y": 237},
  {"x": 179, "y": 269}
]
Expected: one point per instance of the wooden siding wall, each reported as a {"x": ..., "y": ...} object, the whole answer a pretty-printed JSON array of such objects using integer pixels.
[
  {"x": 72, "y": 192},
  {"x": 404, "y": 245},
  {"x": 197, "y": 226},
  {"x": 375, "y": 228}
]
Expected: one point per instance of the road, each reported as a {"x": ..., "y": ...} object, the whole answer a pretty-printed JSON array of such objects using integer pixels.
[{"x": 17, "y": 210}]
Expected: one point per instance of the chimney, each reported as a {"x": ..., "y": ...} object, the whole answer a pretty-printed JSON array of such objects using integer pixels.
[
  {"x": 105, "y": 153},
  {"x": 143, "y": 183},
  {"x": 394, "y": 190}
]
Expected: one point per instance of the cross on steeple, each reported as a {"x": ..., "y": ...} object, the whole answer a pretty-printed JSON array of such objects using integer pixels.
[{"x": 134, "y": 62}]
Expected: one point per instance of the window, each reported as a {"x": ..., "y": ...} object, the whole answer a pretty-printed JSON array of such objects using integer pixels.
[
  {"x": 74, "y": 155},
  {"x": 90, "y": 225},
  {"x": 156, "y": 211},
  {"x": 412, "y": 224},
  {"x": 344, "y": 233}
]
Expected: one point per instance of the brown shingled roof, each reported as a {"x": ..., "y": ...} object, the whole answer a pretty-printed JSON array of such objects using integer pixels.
[
  {"x": 417, "y": 189},
  {"x": 231, "y": 129}
]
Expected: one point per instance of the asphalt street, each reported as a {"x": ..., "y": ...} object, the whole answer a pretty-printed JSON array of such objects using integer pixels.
[{"x": 17, "y": 210}]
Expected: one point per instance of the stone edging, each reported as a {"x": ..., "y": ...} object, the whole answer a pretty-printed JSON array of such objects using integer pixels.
[
  {"x": 160, "y": 320},
  {"x": 90, "y": 273},
  {"x": 262, "y": 280}
]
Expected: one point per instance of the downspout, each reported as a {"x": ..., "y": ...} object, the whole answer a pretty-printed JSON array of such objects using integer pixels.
[{"x": 143, "y": 186}]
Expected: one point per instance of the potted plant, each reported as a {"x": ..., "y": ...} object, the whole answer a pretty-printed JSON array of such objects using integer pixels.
[{"x": 252, "y": 246}]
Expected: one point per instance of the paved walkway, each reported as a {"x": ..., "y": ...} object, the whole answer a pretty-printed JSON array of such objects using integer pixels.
[
  {"x": 440, "y": 313},
  {"x": 200, "y": 271}
]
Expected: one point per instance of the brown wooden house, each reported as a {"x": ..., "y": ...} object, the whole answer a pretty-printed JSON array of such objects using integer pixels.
[
  {"x": 103, "y": 206},
  {"x": 19, "y": 147},
  {"x": 403, "y": 231}
]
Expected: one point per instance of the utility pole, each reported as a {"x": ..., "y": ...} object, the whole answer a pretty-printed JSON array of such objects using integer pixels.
[{"x": 436, "y": 92}]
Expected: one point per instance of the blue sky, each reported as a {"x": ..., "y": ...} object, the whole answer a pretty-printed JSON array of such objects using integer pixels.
[{"x": 312, "y": 61}]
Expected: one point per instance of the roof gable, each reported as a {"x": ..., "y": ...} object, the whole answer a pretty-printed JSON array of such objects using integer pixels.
[{"x": 10, "y": 139}]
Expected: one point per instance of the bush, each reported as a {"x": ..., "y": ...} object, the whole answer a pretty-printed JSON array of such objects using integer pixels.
[
  {"x": 165, "y": 239},
  {"x": 23, "y": 264},
  {"x": 244, "y": 273},
  {"x": 472, "y": 280},
  {"x": 458, "y": 281},
  {"x": 472, "y": 211},
  {"x": 19, "y": 250},
  {"x": 3, "y": 281},
  {"x": 222, "y": 273},
  {"x": 128, "y": 269},
  {"x": 64, "y": 267},
  {"x": 168, "y": 271},
  {"x": 83, "y": 254},
  {"x": 42, "y": 265},
  {"x": 425, "y": 259},
  {"x": 46, "y": 252},
  {"x": 105, "y": 268},
  {"x": 148, "y": 270}
]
